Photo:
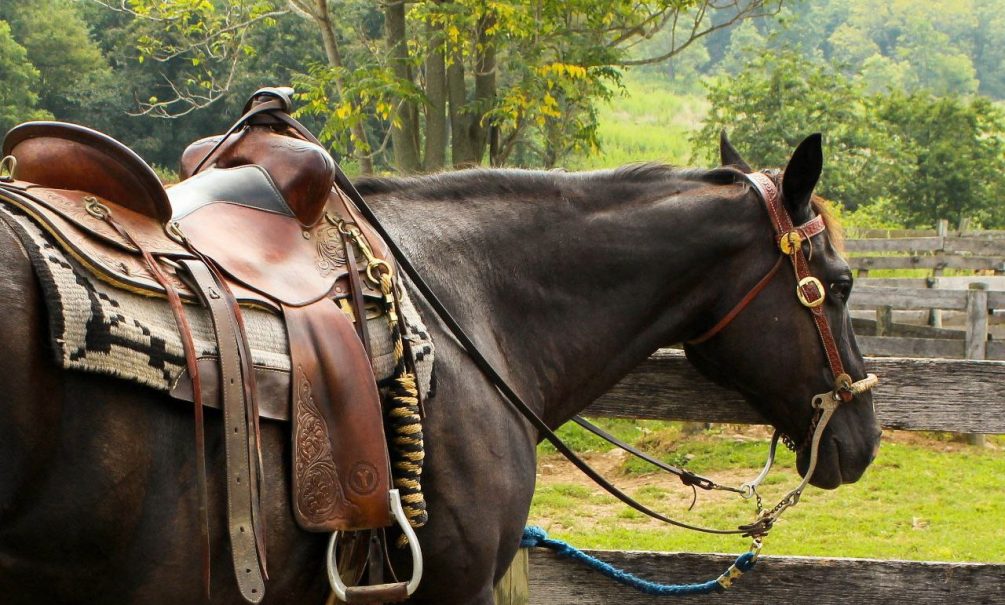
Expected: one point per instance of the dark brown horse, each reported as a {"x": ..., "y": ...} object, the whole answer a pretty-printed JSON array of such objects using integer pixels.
[{"x": 565, "y": 281}]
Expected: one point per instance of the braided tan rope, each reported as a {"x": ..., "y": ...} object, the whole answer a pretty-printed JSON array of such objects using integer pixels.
[{"x": 404, "y": 425}]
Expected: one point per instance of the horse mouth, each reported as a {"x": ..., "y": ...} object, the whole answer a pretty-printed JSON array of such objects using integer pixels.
[{"x": 836, "y": 463}]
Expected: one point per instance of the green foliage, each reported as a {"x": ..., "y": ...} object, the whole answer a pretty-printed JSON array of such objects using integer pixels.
[
  {"x": 917, "y": 157},
  {"x": 954, "y": 151},
  {"x": 781, "y": 97},
  {"x": 74, "y": 78},
  {"x": 206, "y": 37},
  {"x": 19, "y": 83},
  {"x": 944, "y": 46}
]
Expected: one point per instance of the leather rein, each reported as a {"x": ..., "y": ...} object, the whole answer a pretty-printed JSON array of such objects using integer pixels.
[{"x": 810, "y": 292}]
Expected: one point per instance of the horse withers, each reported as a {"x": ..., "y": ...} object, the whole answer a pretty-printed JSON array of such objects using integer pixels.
[{"x": 565, "y": 282}]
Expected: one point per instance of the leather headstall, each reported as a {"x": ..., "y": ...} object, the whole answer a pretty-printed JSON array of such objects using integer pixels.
[{"x": 809, "y": 290}]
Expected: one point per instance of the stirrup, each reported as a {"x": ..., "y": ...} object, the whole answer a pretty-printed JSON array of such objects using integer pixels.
[{"x": 345, "y": 594}]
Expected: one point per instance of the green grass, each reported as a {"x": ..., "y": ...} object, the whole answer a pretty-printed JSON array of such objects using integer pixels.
[
  {"x": 925, "y": 498},
  {"x": 651, "y": 124}
]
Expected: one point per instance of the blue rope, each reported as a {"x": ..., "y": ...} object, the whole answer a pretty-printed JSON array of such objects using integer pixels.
[{"x": 535, "y": 536}]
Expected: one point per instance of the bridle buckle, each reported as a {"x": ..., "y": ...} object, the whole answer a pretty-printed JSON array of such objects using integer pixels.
[{"x": 811, "y": 292}]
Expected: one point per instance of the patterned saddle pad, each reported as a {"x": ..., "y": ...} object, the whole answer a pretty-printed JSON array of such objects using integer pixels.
[{"x": 95, "y": 327}]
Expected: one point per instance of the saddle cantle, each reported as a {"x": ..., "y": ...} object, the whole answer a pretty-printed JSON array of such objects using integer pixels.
[
  {"x": 256, "y": 221},
  {"x": 67, "y": 156}
]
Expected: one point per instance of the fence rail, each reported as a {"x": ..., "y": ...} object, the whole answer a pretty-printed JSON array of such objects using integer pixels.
[{"x": 914, "y": 394}]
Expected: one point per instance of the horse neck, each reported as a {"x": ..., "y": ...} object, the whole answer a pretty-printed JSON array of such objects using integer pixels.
[{"x": 567, "y": 282}]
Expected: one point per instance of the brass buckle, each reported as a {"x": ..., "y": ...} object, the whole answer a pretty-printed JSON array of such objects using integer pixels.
[
  {"x": 801, "y": 292},
  {"x": 7, "y": 167},
  {"x": 790, "y": 242}
]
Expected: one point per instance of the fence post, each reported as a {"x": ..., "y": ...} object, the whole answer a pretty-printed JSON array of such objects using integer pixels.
[
  {"x": 941, "y": 230},
  {"x": 977, "y": 335},
  {"x": 884, "y": 321}
]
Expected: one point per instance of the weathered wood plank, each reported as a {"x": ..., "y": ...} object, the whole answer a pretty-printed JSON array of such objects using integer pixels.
[
  {"x": 914, "y": 394},
  {"x": 865, "y": 327},
  {"x": 962, "y": 282},
  {"x": 906, "y": 245},
  {"x": 906, "y": 298},
  {"x": 821, "y": 581},
  {"x": 996, "y": 300},
  {"x": 893, "y": 282},
  {"x": 977, "y": 322},
  {"x": 970, "y": 263},
  {"x": 890, "y": 233},
  {"x": 996, "y": 349},
  {"x": 970, "y": 245},
  {"x": 898, "y": 346}
]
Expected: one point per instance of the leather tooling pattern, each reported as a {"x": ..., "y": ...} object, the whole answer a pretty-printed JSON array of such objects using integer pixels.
[
  {"x": 330, "y": 253},
  {"x": 321, "y": 490}
]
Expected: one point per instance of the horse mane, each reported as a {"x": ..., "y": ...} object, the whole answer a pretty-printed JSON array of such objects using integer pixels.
[
  {"x": 458, "y": 184},
  {"x": 447, "y": 184},
  {"x": 835, "y": 231}
]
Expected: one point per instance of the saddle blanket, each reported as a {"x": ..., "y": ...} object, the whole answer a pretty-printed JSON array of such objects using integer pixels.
[{"x": 96, "y": 327}]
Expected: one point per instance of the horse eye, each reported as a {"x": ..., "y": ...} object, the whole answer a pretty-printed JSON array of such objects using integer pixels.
[{"x": 841, "y": 289}]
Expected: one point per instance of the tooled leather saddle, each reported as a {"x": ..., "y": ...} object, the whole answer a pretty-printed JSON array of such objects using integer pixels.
[{"x": 258, "y": 221}]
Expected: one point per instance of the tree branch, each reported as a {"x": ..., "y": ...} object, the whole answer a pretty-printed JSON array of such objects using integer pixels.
[{"x": 752, "y": 10}]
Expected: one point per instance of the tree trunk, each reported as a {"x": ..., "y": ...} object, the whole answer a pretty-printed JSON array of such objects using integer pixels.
[
  {"x": 485, "y": 87},
  {"x": 462, "y": 151},
  {"x": 405, "y": 129},
  {"x": 436, "y": 95},
  {"x": 334, "y": 56}
]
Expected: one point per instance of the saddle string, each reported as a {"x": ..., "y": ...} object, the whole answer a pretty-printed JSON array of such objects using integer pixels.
[{"x": 101, "y": 211}]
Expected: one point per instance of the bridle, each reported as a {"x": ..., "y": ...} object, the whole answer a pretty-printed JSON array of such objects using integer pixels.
[{"x": 810, "y": 292}]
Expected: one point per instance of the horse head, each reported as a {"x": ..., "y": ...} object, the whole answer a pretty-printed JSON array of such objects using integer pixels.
[{"x": 768, "y": 345}]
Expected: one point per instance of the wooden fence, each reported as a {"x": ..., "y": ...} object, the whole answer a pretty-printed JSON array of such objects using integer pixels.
[
  {"x": 970, "y": 300},
  {"x": 935, "y": 250},
  {"x": 914, "y": 394}
]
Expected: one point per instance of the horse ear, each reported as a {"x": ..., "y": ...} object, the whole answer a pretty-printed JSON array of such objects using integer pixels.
[
  {"x": 802, "y": 174},
  {"x": 728, "y": 154}
]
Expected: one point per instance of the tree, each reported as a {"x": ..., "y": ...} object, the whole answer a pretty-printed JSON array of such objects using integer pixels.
[
  {"x": 20, "y": 83},
  {"x": 74, "y": 78},
  {"x": 475, "y": 78},
  {"x": 954, "y": 151},
  {"x": 779, "y": 98},
  {"x": 913, "y": 158}
]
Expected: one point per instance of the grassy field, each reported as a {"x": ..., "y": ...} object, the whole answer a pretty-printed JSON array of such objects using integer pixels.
[
  {"x": 926, "y": 497},
  {"x": 651, "y": 124}
]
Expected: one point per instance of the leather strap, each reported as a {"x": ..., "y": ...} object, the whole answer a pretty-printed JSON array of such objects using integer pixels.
[
  {"x": 240, "y": 496},
  {"x": 191, "y": 364},
  {"x": 356, "y": 294},
  {"x": 686, "y": 477},
  {"x": 252, "y": 413},
  {"x": 810, "y": 289}
]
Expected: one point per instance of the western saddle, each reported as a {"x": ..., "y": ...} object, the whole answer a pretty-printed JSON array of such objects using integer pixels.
[{"x": 257, "y": 220}]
